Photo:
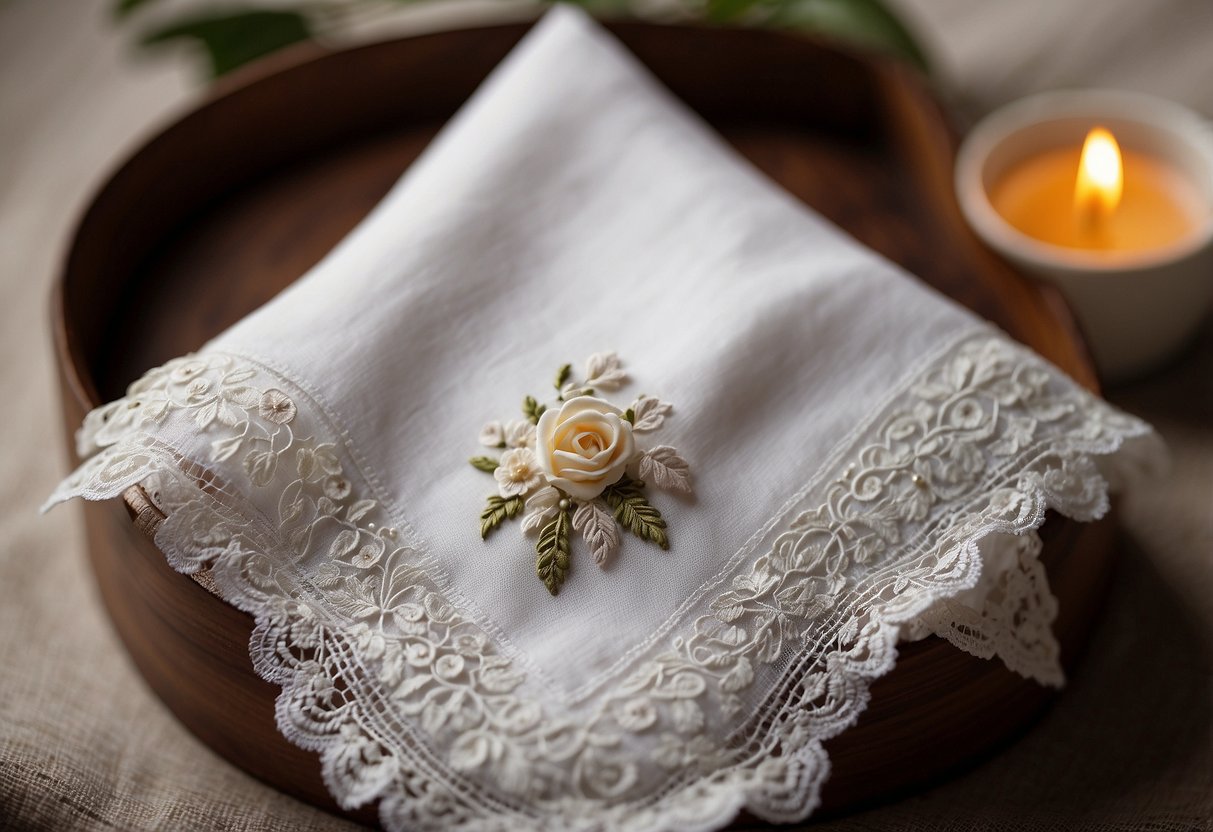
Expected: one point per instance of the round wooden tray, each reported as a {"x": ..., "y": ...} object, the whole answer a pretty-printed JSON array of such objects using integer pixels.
[{"x": 227, "y": 206}]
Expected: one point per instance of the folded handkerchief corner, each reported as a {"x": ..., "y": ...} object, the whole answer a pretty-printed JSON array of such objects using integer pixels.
[{"x": 590, "y": 482}]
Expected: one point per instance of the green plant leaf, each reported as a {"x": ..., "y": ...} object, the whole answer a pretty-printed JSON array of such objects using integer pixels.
[
  {"x": 532, "y": 409},
  {"x": 124, "y": 7},
  {"x": 867, "y": 23},
  {"x": 634, "y": 512},
  {"x": 724, "y": 11},
  {"x": 562, "y": 375},
  {"x": 234, "y": 38},
  {"x": 552, "y": 552},
  {"x": 484, "y": 463},
  {"x": 498, "y": 509}
]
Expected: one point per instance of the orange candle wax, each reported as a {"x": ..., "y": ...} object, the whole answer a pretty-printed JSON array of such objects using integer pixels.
[{"x": 1099, "y": 198}]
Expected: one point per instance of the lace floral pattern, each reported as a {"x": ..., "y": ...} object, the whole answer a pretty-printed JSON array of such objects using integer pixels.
[{"x": 409, "y": 701}]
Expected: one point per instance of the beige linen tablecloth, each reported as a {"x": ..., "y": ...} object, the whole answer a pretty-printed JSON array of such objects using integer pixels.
[{"x": 85, "y": 745}]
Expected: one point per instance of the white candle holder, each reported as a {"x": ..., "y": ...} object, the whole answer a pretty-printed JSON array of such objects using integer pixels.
[{"x": 1137, "y": 309}]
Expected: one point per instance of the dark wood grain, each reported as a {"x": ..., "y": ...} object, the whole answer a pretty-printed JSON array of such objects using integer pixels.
[{"x": 229, "y": 205}]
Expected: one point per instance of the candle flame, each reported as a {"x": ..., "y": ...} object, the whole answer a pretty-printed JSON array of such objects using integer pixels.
[{"x": 1100, "y": 177}]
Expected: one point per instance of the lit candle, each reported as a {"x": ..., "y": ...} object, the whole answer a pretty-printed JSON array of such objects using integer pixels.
[
  {"x": 1099, "y": 198},
  {"x": 1108, "y": 196}
]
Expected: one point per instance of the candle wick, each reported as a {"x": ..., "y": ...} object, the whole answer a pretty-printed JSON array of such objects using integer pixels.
[{"x": 1090, "y": 214}]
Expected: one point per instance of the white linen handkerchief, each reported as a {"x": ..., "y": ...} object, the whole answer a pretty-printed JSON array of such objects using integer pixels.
[{"x": 852, "y": 451}]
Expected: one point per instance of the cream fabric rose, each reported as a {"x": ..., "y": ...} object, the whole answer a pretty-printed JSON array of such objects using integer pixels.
[{"x": 584, "y": 446}]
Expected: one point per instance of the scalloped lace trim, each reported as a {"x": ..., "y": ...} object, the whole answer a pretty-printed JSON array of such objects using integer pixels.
[{"x": 409, "y": 701}]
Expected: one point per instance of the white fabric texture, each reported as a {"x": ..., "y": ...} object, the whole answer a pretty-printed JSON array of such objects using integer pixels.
[{"x": 869, "y": 462}]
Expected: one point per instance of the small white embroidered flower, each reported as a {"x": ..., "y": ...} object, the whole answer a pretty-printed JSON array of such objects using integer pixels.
[
  {"x": 276, "y": 407},
  {"x": 636, "y": 714},
  {"x": 966, "y": 413},
  {"x": 187, "y": 370},
  {"x": 368, "y": 555},
  {"x": 419, "y": 654},
  {"x": 470, "y": 751},
  {"x": 520, "y": 433},
  {"x": 517, "y": 474},
  {"x": 410, "y": 618},
  {"x": 337, "y": 488},
  {"x": 492, "y": 435},
  {"x": 448, "y": 666},
  {"x": 584, "y": 446},
  {"x": 603, "y": 773},
  {"x": 686, "y": 716}
]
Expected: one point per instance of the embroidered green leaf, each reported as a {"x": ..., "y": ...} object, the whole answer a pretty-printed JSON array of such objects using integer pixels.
[
  {"x": 630, "y": 415},
  {"x": 484, "y": 463},
  {"x": 552, "y": 563},
  {"x": 563, "y": 374},
  {"x": 498, "y": 509},
  {"x": 532, "y": 409},
  {"x": 635, "y": 513}
]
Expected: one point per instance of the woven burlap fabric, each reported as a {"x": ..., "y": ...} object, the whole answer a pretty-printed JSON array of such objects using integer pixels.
[{"x": 85, "y": 745}]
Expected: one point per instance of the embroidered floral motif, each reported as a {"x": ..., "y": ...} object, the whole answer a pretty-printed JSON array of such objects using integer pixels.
[{"x": 575, "y": 465}]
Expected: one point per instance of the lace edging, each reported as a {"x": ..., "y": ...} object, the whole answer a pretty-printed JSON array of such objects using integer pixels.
[{"x": 406, "y": 700}]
